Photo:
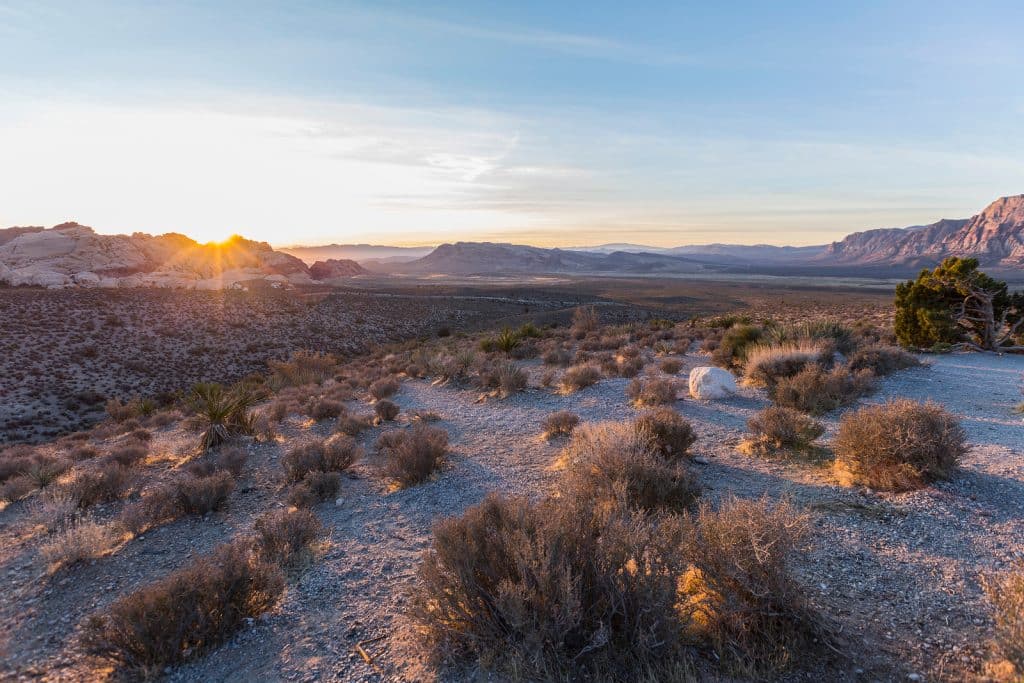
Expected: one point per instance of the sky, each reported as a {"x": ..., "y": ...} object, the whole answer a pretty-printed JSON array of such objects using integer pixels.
[{"x": 546, "y": 123}]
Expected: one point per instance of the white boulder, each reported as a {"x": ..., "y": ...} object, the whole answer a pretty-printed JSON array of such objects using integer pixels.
[{"x": 711, "y": 383}]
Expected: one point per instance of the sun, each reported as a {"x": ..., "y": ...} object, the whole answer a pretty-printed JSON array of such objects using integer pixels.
[{"x": 215, "y": 236}]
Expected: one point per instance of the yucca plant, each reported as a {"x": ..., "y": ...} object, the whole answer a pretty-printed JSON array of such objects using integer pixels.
[
  {"x": 507, "y": 340},
  {"x": 222, "y": 413}
]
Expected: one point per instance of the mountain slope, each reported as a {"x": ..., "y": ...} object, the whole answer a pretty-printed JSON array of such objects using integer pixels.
[{"x": 75, "y": 255}]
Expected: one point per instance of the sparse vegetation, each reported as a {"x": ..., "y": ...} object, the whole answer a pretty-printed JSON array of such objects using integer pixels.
[
  {"x": 816, "y": 391},
  {"x": 411, "y": 455},
  {"x": 560, "y": 423},
  {"x": 579, "y": 377},
  {"x": 898, "y": 445},
  {"x": 777, "y": 430},
  {"x": 336, "y": 453},
  {"x": 188, "y": 612}
]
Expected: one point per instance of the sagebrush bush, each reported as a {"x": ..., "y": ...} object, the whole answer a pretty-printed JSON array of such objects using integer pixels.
[
  {"x": 898, "y": 445},
  {"x": 336, "y": 453},
  {"x": 129, "y": 454},
  {"x": 385, "y": 410},
  {"x": 322, "y": 408},
  {"x": 766, "y": 365},
  {"x": 778, "y": 430},
  {"x": 105, "y": 483},
  {"x": 353, "y": 425},
  {"x": 411, "y": 455},
  {"x": 384, "y": 388},
  {"x": 559, "y": 423},
  {"x": 1006, "y": 593},
  {"x": 186, "y": 613},
  {"x": 200, "y": 495},
  {"x": 553, "y": 591},
  {"x": 882, "y": 360},
  {"x": 579, "y": 377},
  {"x": 671, "y": 366},
  {"x": 740, "y": 593},
  {"x": 817, "y": 391},
  {"x": 287, "y": 538},
  {"x": 618, "y": 461},
  {"x": 672, "y": 433},
  {"x": 314, "y": 488},
  {"x": 78, "y": 541},
  {"x": 652, "y": 391}
]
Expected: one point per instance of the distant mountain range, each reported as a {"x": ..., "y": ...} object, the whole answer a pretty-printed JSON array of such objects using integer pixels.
[{"x": 74, "y": 255}]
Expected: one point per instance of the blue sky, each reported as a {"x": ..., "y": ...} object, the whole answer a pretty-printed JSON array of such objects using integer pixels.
[{"x": 545, "y": 123}]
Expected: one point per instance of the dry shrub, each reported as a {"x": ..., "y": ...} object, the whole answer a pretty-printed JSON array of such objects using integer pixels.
[
  {"x": 652, "y": 391},
  {"x": 579, "y": 377},
  {"x": 230, "y": 459},
  {"x": 15, "y": 460},
  {"x": 314, "y": 488},
  {"x": 353, "y": 425},
  {"x": 766, "y": 365},
  {"x": 385, "y": 410},
  {"x": 83, "y": 452},
  {"x": 672, "y": 433},
  {"x": 412, "y": 455},
  {"x": 200, "y": 495},
  {"x": 79, "y": 541},
  {"x": 560, "y": 423},
  {"x": 384, "y": 388},
  {"x": 554, "y": 591},
  {"x": 336, "y": 453},
  {"x": 560, "y": 357},
  {"x": 505, "y": 377},
  {"x": 817, "y": 391},
  {"x": 186, "y": 613},
  {"x": 23, "y": 470},
  {"x": 584, "y": 321},
  {"x": 1006, "y": 593},
  {"x": 731, "y": 351},
  {"x": 739, "y": 591},
  {"x": 671, "y": 366},
  {"x": 778, "y": 430},
  {"x": 105, "y": 483},
  {"x": 899, "y": 445},
  {"x": 629, "y": 367},
  {"x": 129, "y": 454},
  {"x": 882, "y": 360},
  {"x": 548, "y": 378},
  {"x": 304, "y": 367},
  {"x": 618, "y": 461},
  {"x": 321, "y": 408},
  {"x": 53, "y": 509},
  {"x": 16, "y": 488},
  {"x": 287, "y": 537}
]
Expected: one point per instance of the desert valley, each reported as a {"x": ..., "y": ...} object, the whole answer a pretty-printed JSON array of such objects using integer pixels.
[
  {"x": 460, "y": 342},
  {"x": 225, "y": 463}
]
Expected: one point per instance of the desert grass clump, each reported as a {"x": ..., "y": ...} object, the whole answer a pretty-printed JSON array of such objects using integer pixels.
[
  {"x": 304, "y": 368},
  {"x": 616, "y": 461},
  {"x": 579, "y": 377},
  {"x": 554, "y": 591},
  {"x": 220, "y": 413},
  {"x": 673, "y": 435},
  {"x": 821, "y": 333},
  {"x": 288, "y": 538},
  {"x": 412, "y": 455},
  {"x": 740, "y": 592},
  {"x": 816, "y": 391},
  {"x": 766, "y": 365},
  {"x": 584, "y": 321},
  {"x": 505, "y": 378},
  {"x": 882, "y": 360},
  {"x": 384, "y": 388},
  {"x": 653, "y": 391},
  {"x": 385, "y": 410},
  {"x": 899, "y": 445},
  {"x": 559, "y": 423},
  {"x": 80, "y": 540},
  {"x": 1006, "y": 593},
  {"x": 336, "y": 453},
  {"x": 781, "y": 431},
  {"x": 186, "y": 613}
]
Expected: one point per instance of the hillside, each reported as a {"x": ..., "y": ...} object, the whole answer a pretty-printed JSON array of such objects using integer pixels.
[{"x": 70, "y": 254}]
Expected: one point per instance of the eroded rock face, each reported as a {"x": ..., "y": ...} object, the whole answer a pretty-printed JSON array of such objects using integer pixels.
[
  {"x": 334, "y": 268},
  {"x": 73, "y": 255},
  {"x": 711, "y": 383}
]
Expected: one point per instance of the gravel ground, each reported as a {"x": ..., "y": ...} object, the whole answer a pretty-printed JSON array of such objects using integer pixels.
[{"x": 898, "y": 572}]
